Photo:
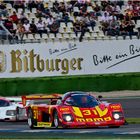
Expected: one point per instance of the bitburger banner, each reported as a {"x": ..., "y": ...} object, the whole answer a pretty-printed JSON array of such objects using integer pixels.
[{"x": 69, "y": 58}]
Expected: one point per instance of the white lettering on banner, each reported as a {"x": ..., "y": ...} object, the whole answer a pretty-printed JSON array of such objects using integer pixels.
[{"x": 79, "y": 58}]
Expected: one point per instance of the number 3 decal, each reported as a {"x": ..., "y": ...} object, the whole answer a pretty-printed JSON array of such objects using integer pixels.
[{"x": 86, "y": 112}]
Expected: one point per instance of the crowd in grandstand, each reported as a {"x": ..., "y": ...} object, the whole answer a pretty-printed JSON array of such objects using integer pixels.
[{"x": 70, "y": 17}]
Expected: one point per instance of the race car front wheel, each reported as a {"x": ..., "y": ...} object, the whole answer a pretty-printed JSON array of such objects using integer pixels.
[{"x": 56, "y": 120}]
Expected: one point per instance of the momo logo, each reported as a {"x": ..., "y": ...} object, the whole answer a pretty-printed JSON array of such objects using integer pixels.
[
  {"x": 2, "y": 62},
  {"x": 104, "y": 119}
]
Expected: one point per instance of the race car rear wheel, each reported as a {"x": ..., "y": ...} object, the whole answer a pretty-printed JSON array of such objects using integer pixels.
[{"x": 30, "y": 119}]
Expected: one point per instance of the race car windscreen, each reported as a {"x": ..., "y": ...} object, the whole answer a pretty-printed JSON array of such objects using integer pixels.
[
  {"x": 80, "y": 100},
  {"x": 4, "y": 103}
]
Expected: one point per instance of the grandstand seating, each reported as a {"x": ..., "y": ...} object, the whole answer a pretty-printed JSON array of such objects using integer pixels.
[{"x": 86, "y": 17}]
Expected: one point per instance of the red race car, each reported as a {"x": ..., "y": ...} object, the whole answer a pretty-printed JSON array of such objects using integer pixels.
[{"x": 73, "y": 110}]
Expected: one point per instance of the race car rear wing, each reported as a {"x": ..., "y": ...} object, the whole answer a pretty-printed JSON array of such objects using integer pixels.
[{"x": 39, "y": 97}]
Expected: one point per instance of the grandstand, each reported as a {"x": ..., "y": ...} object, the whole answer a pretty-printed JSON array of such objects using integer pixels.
[{"x": 25, "y": 21}]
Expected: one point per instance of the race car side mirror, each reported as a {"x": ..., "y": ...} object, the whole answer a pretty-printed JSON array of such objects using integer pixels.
[{"x": 12, "y": 101}]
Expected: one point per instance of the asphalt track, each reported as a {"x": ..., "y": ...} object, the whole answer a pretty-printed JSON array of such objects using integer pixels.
[{"x": 131, "y": 110}]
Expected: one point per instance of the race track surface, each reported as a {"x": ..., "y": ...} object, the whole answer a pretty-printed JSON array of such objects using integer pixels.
[{"x": 21, "y": 130}]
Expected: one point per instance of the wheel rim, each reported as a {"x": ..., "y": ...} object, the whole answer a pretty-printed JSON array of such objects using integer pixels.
[{"x": 55, "y": 121}]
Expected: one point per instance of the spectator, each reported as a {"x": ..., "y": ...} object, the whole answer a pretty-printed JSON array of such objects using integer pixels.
[
  {"x": 123, "y": 28},
  {"x": 120, "y": 3},
  {"x": 92, "y": 21},
  {"x": 47, "y": 13},
  {"x": 105, "y": 27},
  {"x": 136, "y": 13},
  {"x": 83, "y": 11},
  {"x": 39, "y": 14},
  {"x": 114, "y": 28},
  {"x": 68, "y": 6},
  {"x": 84, "y": 29},
  {"x": 14, "y": 17},
  {"x": 85, "y": 19},
  {"x": 9, "y": 25},
  {"x": 31, "y": 4},
  {"x": 33, "y": 28},
  {"x": 40, "y": 27},
  {"x": 50, "y": 21},
  {"x": 40, "y": 6},
  {"x": 65, "y": 18},
  {"x": 127, "y": 17},
  {"x": 20, "y": 30},
  {"x": 104, "y": 4},
  {"x": 45, "y": 30},
  {"x": 62, "y": 7},
  {"x": 76, "y": 27},
  {"x": 105, "y": 18},
  {"x": 55, "y": 7},
  {"x": 130, "y": 28},
  {"x": 19, "y": 4},
  {"x": 54, "y": 28},
  {"x": 26, "y": 26},
  {"x": 97, "y": 9},
  {"x": 22, "y": 17}
]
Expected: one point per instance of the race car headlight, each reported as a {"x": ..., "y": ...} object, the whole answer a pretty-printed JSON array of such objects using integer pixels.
[
  {"x": 117, "y": 115},
  {"x": 67, "y": 117},
  {"x": 10, "y": 112}
]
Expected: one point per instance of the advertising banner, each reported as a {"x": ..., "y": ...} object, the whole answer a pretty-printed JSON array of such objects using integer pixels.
[{"x": 69, "y": 58}]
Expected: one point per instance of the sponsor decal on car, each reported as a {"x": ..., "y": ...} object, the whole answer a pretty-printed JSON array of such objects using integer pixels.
[
  {"x": 87, "y": 112},
  {"x": 115, "y": 106},
  {"x": 93, "y": 119},
  {"x": 64, "y": 109},
  {"x": 44, "y": 124}
]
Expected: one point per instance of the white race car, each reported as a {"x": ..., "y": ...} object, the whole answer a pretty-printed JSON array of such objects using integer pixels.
[{"x": 11, "y": 109}]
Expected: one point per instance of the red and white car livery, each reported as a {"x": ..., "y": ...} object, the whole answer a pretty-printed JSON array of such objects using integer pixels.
[{"x": 73, "y": 109}]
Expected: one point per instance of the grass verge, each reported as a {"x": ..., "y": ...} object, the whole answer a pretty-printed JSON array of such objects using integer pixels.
[{"x": 133, "y": 120}]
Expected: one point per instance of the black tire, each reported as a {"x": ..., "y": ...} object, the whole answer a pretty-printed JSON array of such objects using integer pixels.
[{"x": 31, "y": 121}]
